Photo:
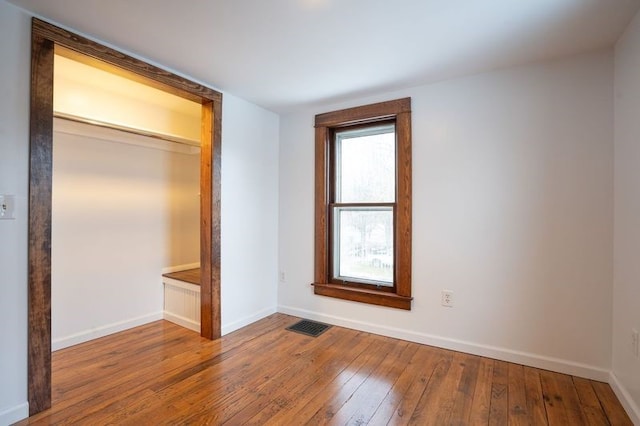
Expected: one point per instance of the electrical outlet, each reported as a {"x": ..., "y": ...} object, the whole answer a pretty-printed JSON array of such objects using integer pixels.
[
  {"x": 282, "y": 276},
  {"x": 447, "y": 298},
  {"x": 635, "y": 343}
]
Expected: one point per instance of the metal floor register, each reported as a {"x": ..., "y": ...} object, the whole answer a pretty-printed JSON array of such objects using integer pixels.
[{"x": 309, "y": 328}]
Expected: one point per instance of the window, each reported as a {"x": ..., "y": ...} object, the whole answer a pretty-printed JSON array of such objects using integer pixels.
[
  {"x": 362, "y": 196},
  {"x": 363, "y": 204}
]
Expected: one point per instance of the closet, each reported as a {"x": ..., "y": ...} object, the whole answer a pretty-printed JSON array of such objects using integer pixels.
[{"x": 125, "y": 206}]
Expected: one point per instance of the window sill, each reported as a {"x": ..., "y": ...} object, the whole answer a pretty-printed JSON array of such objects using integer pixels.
[{"x": 363, "y": 295}]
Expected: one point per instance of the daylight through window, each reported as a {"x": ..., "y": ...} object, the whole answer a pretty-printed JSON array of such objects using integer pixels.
[
  {"x": 363, "y": 204},
  {"x": 364, "y": 196}
]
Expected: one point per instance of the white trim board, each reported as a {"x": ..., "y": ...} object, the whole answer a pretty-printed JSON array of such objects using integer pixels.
[
  {"x": 627, "y": 402},
  {"x": 12, "y": 415},
  {"x": 105, "y": 330},
  {"x": 182, "y": 321},
  {"x": 236, "y": 325},
  {"x": 503, "y": 354}
]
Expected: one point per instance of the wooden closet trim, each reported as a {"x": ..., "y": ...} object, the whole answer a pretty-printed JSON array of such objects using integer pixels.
[{"x": 45, "y": 39}]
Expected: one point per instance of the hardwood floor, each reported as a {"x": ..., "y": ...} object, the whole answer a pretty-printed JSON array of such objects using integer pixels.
[{"x": 161, "y": 373}]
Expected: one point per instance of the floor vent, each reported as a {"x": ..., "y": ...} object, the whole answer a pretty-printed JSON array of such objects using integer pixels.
[{"x": 310, "y": 328}]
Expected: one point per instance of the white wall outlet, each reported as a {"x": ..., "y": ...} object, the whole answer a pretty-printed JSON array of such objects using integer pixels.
[
  {"x": 635, "y": 343},
  {"x": 7, "y": 206},
  {"x": 281, "y": 276},
  {"x": 447, "y": 298}
]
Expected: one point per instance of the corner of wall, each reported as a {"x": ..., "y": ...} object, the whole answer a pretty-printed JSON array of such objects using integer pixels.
[
  {"x": 14, "y": 414},
  {"x": 627, "y": 402},
  {"x": 15, "y": 50},
  {"x": 504, "y": 354},
  {"x": 625, "y": 376}
]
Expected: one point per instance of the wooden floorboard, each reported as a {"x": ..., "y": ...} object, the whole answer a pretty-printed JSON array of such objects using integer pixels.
[
  {"x": 498, "y": 414},
  {"x": 191, "y": 276},
  {"x": 535, "y": 396},
  {"x": 161, "y": 373}
]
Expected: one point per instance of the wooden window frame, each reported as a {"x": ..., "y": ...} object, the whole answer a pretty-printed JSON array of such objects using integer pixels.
[{"x": 399, "y": 111}]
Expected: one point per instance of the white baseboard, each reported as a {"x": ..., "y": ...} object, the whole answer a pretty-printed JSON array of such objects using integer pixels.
[
  {"x": 503, "y": 354},
  {"x": 177, "y": 268},
  {"x": 182, "y": 321},
  {"x": 627, "y": 402},
  {"x": 228, "y": 328},
  {"x": 105, "y": 330},
  {"x": 14, "y": 414}
]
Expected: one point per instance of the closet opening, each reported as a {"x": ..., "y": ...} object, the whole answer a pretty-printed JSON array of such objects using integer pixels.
[
  {"x": 125, "y": 204},
  {"x": 47, "y": 40}
]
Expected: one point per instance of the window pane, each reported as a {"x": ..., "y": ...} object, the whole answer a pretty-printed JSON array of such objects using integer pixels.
[
  {"x": 366, "y": 165},
  {"x": 363, "y": 244}
]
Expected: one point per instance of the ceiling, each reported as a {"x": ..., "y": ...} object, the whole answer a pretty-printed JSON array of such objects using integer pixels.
[{"x": 284, "y": 54}]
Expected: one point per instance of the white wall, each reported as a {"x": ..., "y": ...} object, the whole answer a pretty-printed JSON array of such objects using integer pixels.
[
  {"x": 121, "y": 213},
  {"x": 513, "y": 186},
  {"x": 14, "y": 153},
  {"x": 626, "y": 290},
  {"x": 249, "y": 213}
]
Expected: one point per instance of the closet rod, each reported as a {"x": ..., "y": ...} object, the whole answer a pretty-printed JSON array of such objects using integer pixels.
[{"x": 168, "y": 138}]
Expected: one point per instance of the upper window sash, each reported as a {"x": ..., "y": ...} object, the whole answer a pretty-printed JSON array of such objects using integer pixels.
[{"x": 365, "y": 164}]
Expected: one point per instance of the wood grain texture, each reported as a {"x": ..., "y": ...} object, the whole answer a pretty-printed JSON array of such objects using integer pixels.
[
  {"x": 40, "y": 190},
  {"x": 464, "y": 394},
  {"x": 206, "y": 225},
  {"x": 163, "y": 374},
  {"x": 498, "y": 412},
  {"x": 610, "y": 404},
  {"x": 399, "y": 296},
  {"x": 367, "y": 113},
  {"x": 561, "y": 399},
  {"x": 403, "y": 224},
  {"x": 593, "y": 411},
  {"x": 365, "y": 295},
  {"x": 535, "y": 400},
  {"x": 517, "y": 391},
  {"x": 191, "y": 276},
  {"x": 321, "y": 238},
  {"x": 84, "y": 50},
  {"x": 481, "y": 405},
  {"x": 46, "y": 39},
  {"x": 210, "y": 202},
  {"x": 216, "y": 218},
  {"x": 434, "y": 406},
  {"x": 402, "y": 399}
]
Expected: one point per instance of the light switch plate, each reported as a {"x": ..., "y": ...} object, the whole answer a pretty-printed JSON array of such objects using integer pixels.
[{"x": 7, "y": 206}]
